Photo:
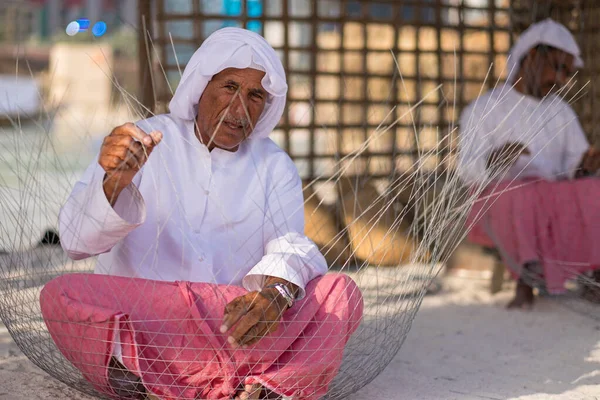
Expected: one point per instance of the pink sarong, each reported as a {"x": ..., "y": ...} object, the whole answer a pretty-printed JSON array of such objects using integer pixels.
[
  {"x": 169, "y": 335},
  {"x": 555, "y": 223}
]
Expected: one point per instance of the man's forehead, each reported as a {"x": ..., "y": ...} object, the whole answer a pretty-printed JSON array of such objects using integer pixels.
[
  {"x": 561, "y": 55},
  {"x": 242, "y": 76}
]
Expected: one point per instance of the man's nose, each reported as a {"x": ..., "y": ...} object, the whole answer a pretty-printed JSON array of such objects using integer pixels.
[
  {"x": 561, "y": 78},
  {"x": 238, "y": 107}
]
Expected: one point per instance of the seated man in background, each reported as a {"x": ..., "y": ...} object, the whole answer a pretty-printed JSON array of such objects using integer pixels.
[
  {"x": 205, "y": 213},
  {"x": 523, "y": 139}
]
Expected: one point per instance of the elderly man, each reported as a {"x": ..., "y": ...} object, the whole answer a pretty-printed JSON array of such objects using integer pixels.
[
  {"x": 525, "y": 138},
  {"x": 206, "y": 286}
]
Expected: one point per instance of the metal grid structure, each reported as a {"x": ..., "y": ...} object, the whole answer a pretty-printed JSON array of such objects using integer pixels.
[{"x": 351, "y": 62}]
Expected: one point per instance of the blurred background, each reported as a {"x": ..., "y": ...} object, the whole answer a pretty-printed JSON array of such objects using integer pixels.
[
  {"x": 352, "y": 66},
  {"x": 71, "y": 70},
  {"x": 340, "y": 56}
]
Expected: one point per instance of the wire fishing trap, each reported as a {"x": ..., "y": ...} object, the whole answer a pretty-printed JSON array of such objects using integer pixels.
[
  {"x": 390, "y": 259},
  {"x": 386, "y": 234}
]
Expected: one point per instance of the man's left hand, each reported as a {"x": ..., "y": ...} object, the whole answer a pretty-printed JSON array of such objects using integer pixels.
[
  {"x": 590, "y": 162},
  {"x": 256, "y": 314}
]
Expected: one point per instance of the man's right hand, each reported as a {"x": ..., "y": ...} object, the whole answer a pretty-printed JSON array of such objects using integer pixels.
[
  {"x": 122, "y": 155},
  {"x": 505, "y": 156}
]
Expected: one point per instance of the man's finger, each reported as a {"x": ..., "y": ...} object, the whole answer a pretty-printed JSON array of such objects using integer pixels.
[
  {"x": 151, "y": 140},
  {"x": 233, "y": 312},
  {"x": 156, "y": 137},
  {"x": 116, "y": 151},
  {"x": 134, "y": 149},
  {"x": 244, "y": 325},
  {"x": 131, "y": 143},
  {"x": 128, "y": 158},
  {"x": 135, "y": 132},
  {"x": 110, "y": 141},
  {"x": 253, "y": 334},
  {"x": 140, "y": 152},
  {"x": 250, "y": 339},
  {"x": 112, "y": 162},
  {"x": 132, "y": 161}
]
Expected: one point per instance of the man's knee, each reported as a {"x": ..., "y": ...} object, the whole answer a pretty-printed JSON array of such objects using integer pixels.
[
  {"x": 340, "y": 291},
  {"x": 338, "y": 281},
  {"x": 77, "y": 287},
  {"x": 55, "y": 288}
]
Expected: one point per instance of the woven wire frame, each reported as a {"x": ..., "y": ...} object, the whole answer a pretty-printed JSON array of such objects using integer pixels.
[{"x": 42, "y": 179}]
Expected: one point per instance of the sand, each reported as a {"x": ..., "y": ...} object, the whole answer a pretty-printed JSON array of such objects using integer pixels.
[{"x": 463, "y": 345}]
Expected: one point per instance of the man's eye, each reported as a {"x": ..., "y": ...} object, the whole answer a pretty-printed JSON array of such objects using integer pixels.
[
  {"x": 561, "y": 68},
  {"x": 230, "y": 87}
]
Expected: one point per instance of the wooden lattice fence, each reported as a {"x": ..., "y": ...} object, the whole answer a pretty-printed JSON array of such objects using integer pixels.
[{"x": 355, "y": 64}]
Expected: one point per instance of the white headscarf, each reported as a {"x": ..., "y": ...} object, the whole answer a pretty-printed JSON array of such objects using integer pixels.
[
  {"x": 233, "y": 48},
  {"x": 548, "y": 32}
]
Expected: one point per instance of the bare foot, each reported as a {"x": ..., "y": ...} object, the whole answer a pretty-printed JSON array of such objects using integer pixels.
[
  {"x": 591, "y": 294},
  {"x": 249, "y": 392},
  {"x": 591, "y": 290},
  {"x": 523, "y": 297},
  {"x": 124, "y": 382}
]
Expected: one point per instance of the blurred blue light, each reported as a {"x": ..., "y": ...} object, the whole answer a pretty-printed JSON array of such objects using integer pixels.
[
  {"x": 99, "y": 28},
  {"x": 84, "y": 24}
]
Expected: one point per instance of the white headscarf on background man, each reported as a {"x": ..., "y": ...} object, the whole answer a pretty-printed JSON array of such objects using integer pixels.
[
  {"x": 232, "y": 48},
  {"x": 547, "y": 32},
  {"x": 550, "y": 130}
]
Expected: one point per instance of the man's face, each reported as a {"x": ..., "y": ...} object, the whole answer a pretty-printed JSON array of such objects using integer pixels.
[
  {"x": 546, "y": 71},
  {"x": 230, "y": 107}
]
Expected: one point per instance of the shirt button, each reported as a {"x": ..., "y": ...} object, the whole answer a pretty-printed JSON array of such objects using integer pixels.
[{"x": 207, "y": 192}]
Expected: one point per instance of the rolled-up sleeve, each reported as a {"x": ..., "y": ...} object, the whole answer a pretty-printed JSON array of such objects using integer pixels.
[
  {"x": 289, "y": 254},
  {"x": 89, "y": 225}
]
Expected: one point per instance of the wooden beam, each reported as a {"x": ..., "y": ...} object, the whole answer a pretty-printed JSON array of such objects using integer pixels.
[{"x": 146, "y": 84}]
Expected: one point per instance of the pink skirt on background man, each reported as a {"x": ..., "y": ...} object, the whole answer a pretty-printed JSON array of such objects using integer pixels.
[
  {"x": 169, "y": 335},
  {"x": 554, "y": 223}
]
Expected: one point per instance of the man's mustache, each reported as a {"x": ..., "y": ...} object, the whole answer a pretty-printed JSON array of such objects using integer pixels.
[{"x": 242, "y": 122}]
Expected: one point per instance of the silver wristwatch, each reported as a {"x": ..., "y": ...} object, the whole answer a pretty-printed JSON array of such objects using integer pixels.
[{"x": 284, "y": 291}]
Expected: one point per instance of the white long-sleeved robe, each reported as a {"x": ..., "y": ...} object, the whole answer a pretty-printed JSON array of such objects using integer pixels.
[
  {"x": 549, "y": 128},
  {"x": 194, "y": 215}
]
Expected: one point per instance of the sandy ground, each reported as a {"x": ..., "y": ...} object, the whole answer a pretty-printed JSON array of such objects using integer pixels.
[{"x": 463, "y": 345}]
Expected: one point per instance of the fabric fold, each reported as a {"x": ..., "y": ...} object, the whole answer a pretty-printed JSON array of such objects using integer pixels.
[
  {"x": 170, "y": 335},
  {"x": 555, "y": 223}
]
